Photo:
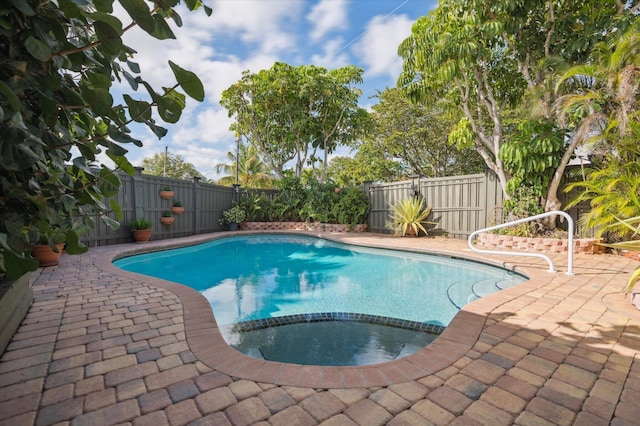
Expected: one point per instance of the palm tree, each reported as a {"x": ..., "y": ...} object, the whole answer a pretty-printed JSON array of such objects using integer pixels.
[
  {"x": 252, "y": 172},
  {"x": 603, "y": 93},
  {"x": 604, "y": 105}
]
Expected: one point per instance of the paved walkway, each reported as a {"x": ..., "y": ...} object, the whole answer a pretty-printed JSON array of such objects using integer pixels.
[{"x": 102, "y": 346}]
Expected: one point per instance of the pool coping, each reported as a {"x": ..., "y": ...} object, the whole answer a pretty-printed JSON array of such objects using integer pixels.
[{"x": 208, "y": 345}]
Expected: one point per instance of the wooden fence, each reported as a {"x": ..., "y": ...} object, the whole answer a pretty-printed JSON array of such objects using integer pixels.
[
  {"x": 139, "y": 197},
  {"x": 460, "y": 204}
]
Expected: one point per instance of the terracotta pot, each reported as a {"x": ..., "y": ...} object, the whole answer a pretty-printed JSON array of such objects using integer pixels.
[
  {"x": 141, "y": 235},
  {"x": 167, "y": 220},
  {"x": 166, "y": 195},
  {"x": 177, "y": 210},
  {"x": 45, "y": 254},
  {"x": 233, "y": 226}
]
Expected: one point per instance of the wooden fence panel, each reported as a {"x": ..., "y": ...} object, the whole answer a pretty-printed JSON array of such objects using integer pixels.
[
  {"x": 460, "y": 204},
  {"x": 139, "y": 197}
]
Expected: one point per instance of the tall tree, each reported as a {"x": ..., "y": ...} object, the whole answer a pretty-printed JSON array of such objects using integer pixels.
[
  {"x": 59, "y": 61},
  {"x": 170, "y": 165},
  {"x": 485, "y": 55},
  {"x": 290, "y": 113},
  {"x": 415, "y": 134},
  {"x": 251, "y": 171}
]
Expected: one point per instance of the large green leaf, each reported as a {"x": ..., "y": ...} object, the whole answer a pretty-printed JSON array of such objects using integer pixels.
[
  {"x": 140, "y": 13},
  {"x": 110, "y": 41},
  {"x": 162, "y": 31},
  {"x": 74, "y": 246},
  {"x": 13, "y": 263},
  {"x": 6, "y": 91},
  {"x": 189, "y": 82},
  {"x": 169, "y": 109},
  {"x": 139, "y": 111},
  {"x": 24, "y": 7},
  {"x": 38, "y": 49}
]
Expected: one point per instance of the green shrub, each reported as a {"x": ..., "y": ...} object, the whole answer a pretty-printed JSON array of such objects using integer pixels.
[{"x": 352, "y": 207}]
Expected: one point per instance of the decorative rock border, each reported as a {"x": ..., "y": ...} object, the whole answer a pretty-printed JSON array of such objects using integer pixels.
[
  {"x": 542, "y": 245},
  {"x": 300, "y": 226}
]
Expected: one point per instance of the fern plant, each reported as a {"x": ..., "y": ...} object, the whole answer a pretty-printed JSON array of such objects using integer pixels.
[{"x": 409, "y": 216}]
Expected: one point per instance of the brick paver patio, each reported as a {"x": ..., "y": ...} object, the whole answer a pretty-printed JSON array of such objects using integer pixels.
[{"x": 101, "y": 346}]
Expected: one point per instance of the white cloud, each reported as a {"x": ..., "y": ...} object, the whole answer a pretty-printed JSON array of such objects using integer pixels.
[
  {"x": 326, "y": 16},
  {"x": 261, "y": 23},
  {"x": 378, "y": 48},
  {"x": 330, "y": 58}
]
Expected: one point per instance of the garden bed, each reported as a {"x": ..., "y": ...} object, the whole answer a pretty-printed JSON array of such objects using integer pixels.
[
  {"x": 300, "y": 226},
  {"x": 540, "y": 245}
]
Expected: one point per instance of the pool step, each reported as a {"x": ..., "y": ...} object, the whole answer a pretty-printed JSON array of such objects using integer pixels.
[{"x": 463, "y": 292}]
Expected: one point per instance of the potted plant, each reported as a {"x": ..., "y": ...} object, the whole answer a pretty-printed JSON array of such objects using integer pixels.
[
  {"x": 408, "y": 217},
  {"x": 166, "y": 193},
  {"x": 49, "y": 249},
  {"x": 141, "y": 230},
  {"x": 177, "y": 207},
  {"x": 233, "y": 217},
  {"x": 167, "y": 218}
]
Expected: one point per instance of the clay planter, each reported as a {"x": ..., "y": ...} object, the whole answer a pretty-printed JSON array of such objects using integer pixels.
[
  {"x": 141, "y": 235},
  {"x": 167, "y": 220},
  {"x": 166, "y": 195},
  {"x": 177, "y": 210},
  {"x": 45, "y": 254}
]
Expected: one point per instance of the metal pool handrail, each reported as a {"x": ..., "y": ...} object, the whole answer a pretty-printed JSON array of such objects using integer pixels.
[{"x": 542, "y": 256}]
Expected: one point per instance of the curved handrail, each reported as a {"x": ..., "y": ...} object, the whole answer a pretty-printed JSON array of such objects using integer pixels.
[{"x": 539, "y": 255}]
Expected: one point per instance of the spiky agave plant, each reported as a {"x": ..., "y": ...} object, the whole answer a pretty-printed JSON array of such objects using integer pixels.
[{"x": 409, "y": 215}]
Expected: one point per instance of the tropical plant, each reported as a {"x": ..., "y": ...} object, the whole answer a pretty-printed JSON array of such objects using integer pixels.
[
  {"x": 235, "y": 214},
  {"x": 60, "y": 62},
  {"x": 352, "y": 208},
  {"x": 290, "y": 113},
  {"x": 252, "y": 172},
  {"x": 140, "y": 224},
  {"x": 485, "y": 57},
  {"x": 633, "y": 244},
  {"x": 613, "y": 193},
  {"x": 409, "y": 216}
]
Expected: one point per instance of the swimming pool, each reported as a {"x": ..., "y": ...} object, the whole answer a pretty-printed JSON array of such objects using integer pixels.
[{"x": 256, "y": 277}]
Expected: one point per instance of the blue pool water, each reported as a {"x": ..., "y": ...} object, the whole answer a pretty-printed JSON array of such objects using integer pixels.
[{"x": 254, "y": 277}]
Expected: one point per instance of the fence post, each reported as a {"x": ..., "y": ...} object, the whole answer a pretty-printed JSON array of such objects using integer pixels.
[
  {"x": 138, "y": 194},
  {"x": 196, "y": 190}
]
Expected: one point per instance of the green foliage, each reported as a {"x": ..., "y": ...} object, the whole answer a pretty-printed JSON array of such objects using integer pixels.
[
  {"x": 167, "y": 213},
  {"x": 252, "y": 171},
  {"x": 613, "y": 193},
  {"x": 633, "y": 244},
  {"x": 312, "y": 202},
  {"x": 486, "y": 57},
  {"x": 415, "y": 135},
  {"x": 320, "y": 200},
  {"x": 170, "y": 165},
  {"x": 288, "y": 113},
  {"x": 235, "y": 214},
  {"x": 60, "y": 62},
  {"x": 352, "y": 208},
  {"x": 410, "y": 215},
  {"x": 140, "y": 224},
  {"x": 531, "y": 155}
]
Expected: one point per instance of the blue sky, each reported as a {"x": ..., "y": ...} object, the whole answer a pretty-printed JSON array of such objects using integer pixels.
[{"x": 252, "y": 35}]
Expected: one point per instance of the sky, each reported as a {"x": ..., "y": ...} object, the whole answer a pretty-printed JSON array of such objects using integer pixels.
[{"x": 252, "y": 35}]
